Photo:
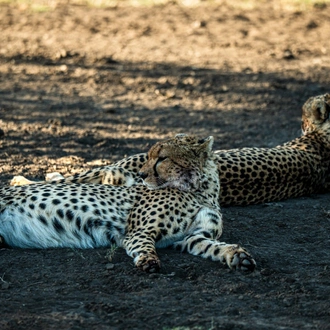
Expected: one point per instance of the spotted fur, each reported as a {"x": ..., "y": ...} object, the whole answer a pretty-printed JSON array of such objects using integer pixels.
[
  {"x": 177, "y": 205},
  {"x": 258, "y": 175}
]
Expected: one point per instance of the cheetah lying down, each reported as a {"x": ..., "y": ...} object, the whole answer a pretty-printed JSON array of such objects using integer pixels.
[
  {"x": 255, "y": 175},
  {"x": 177, "y": 205}
]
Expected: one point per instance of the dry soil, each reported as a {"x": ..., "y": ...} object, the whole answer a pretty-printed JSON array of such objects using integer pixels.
[{"x": 82, "y": 87}]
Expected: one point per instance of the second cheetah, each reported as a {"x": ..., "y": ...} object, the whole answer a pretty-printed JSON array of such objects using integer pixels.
[{"x": 256, "y": 175}]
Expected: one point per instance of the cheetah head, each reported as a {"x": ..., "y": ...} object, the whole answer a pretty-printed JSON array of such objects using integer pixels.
[
  {"x": 315, "y": 113},
  {"x": 177, "y": 162}
]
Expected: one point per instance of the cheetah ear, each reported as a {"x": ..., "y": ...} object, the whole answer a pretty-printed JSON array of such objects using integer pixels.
[
  {"x": 320, "y": 110},
  {"x": 205, "y": 145},
  {"x": 180, "y": 135},
  {"x": 323, "y": 112}
]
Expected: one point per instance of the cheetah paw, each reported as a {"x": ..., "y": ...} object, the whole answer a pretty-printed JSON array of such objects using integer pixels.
[
  {"x": 20, "y": 180},
  {"x": 242, "y": 261},
  {"x": 149, "y": 265},
  {"x": 54, "y": 176}
]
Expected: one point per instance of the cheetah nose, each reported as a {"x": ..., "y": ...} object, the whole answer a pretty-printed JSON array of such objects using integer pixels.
[{"x": 143, "y": 175}]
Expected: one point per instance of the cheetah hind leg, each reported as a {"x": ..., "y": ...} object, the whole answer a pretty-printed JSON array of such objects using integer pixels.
[
  {"x": 20, "y": 180},
  {"x": 118, "y": 176},
  {"x": 54, "y": 176},
  {"x": 111, "y": 175},
  {"x": 233, "y": 255}
]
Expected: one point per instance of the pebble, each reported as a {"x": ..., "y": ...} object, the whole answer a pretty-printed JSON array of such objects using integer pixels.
[{"x": 109, "y": 266}]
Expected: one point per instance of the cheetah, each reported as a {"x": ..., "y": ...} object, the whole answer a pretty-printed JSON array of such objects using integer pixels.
[
  {"x": 177, "y": 204},
  {"x": 255, "y": 175}
]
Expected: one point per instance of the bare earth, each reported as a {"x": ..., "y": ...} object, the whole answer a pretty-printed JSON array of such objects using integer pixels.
[{"x": 82, "y": 87}]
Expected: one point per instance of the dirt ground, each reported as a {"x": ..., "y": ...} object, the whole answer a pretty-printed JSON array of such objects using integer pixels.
[{"x": 82, "y": 87}]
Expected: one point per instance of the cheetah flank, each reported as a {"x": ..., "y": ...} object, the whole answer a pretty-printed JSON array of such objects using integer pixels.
[{"x": 177, "y": 205}]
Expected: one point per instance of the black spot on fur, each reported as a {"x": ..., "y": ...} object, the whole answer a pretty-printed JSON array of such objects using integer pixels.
[
  {"x": 97, "y": 212},
  {"x": 69, "y": 214},
  {"x": 42, "y": 206},
  {"x": 78, "y": 222},
  {"x": 42, "y": 219},
  {"x": 58, "y": 226},
  {"x": 60, "y": 213},
  {"x": 196, "y": 241},
  {"x": 84, "y": 208}
]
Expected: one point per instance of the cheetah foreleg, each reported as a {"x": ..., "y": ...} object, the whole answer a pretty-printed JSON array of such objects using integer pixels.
[
  {"x": 231, "y": 254},
  {"x": 141, "y": 247},
  {"x": 203, "y": 241}
]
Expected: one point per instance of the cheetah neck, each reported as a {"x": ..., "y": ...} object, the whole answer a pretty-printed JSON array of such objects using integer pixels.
[
  {"x": 324, "y": 136},
  {"x": 208, "y": 192},
  {"x": 315, "y": 142}
]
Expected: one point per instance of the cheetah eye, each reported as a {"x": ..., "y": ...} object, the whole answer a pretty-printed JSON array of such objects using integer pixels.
[{"x": 160, "y": 159}]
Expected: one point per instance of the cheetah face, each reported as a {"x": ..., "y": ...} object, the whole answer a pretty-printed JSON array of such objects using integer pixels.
[
  {"x": 315, "y": 113},
  {"x": 177, "y": 162}
]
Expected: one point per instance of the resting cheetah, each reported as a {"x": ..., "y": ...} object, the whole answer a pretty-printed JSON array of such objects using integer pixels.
[
  {"x": 257, "y": 175},
  {"x": 177, "y": 205}
]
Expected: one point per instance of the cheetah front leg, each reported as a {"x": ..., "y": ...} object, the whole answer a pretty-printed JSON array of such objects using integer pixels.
[
  {"x": 141, "y": 246},
  {"x": 203, "y": 242},
  {"x": 233, "y": 255}
]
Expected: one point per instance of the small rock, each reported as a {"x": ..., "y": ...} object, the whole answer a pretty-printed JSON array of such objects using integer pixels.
[
  {"x": 5, "y": 285},
  {"x": 312, "y": 25},
  {"x": 109, "y": 266},
  {"x": 62, "y": 53},
  {"x": 224, "y": 88},
  {"x": 288, "y": 55},
  {"x": 199, "y": 24},
  {"x": 63, "y": 68}
]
